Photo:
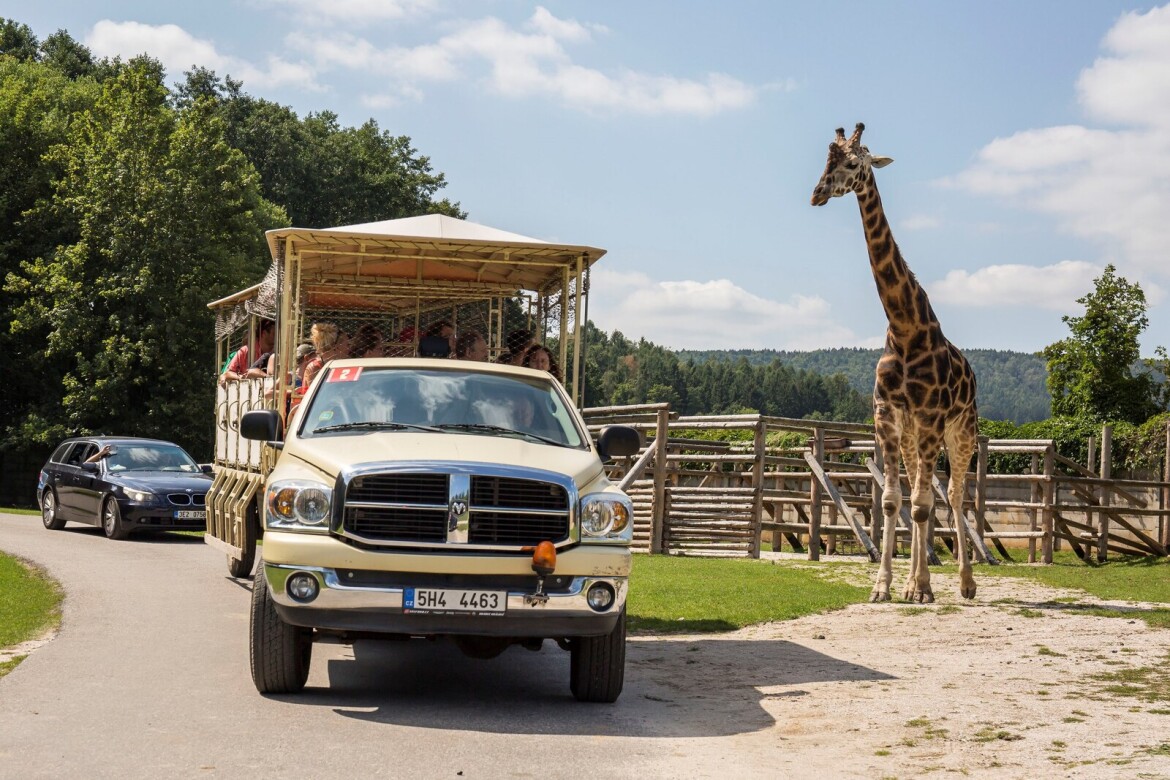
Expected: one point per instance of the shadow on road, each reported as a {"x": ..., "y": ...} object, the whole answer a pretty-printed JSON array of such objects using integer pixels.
[{"x": 674, "y": 688}]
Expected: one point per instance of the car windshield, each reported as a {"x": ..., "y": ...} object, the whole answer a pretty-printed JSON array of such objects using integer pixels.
[
  {"x": 364, "y": 399},
  {"x": 150, "y": 457}
]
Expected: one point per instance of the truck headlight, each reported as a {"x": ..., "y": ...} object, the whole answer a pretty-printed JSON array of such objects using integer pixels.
[
  {"x": 299, "y": 505},
  {"x": 606, "y": 516}
]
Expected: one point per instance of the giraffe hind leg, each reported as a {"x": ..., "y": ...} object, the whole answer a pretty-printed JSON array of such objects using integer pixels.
[
  {"x": 960, "y": 448},
  {"x": 922, "y": 509}
]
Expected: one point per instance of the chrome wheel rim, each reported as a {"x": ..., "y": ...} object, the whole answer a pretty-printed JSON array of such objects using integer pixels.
[
  {"x": 48, "y": 507},
  {"x": 109, "y": 517}
]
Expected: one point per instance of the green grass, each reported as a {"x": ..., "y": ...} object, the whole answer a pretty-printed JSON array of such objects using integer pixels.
[
  {"x": 30, "y": 604},
  {"x": 11, "y": 510},
  {"x": 677, "y": 595},
  {"x": 1129, "y": 579}
]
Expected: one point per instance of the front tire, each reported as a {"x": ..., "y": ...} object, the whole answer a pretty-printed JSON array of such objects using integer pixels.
[
  {"x": 112, "y": 523},
  {"x": 597, "y": 664},
  {"x": 50, "y": 514},
  {"x": 280, "y": 653}
]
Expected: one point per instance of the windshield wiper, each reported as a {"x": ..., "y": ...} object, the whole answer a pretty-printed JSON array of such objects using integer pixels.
[
  {"x": 371, "y": 425},
  {"x": 486, "y": 428}
]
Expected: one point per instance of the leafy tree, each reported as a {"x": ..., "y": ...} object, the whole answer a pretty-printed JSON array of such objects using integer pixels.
[
  {"x": 17, "y": 40},
  {"x": 62, "y": 52},
  {"x": 164, "y": 216},
  {"x": 1090, "y": 373},
  {"x": 322, "y": 173},
  {"x": 38, "y": 108}
]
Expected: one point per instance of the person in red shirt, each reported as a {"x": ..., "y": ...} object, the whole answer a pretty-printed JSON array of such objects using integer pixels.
[{"x": 240, "y": 365}]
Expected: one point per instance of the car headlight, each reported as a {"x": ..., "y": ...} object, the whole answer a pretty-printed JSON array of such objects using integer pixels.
[
  {"x": 299, "y": 505},
  {"x": 141, "y": 496},
  {"x": 606, "y": 516}
]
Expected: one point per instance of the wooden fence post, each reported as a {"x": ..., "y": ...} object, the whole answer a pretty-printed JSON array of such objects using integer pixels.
[
  {"x": 1034, "y": 494},
  {"x": 1106, "y": 496},
  {"x": 980, "y": 488},
  {"x": 814, "y": 526},
  {"x": 1048, "y": 519},
  {"x": 661, "y": 432},
  {"x": 1163, "y": 524},
  {"x": 760, "y": 445}
]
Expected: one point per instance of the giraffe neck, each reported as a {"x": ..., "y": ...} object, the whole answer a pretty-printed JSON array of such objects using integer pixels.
[{"x": 908, "y": 310}]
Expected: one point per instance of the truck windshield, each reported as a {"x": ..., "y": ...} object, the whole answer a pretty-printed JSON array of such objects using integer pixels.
[{"x": 411, "y": 400}]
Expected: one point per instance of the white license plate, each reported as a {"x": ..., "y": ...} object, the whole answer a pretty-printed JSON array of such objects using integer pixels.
[
  {"x": 190, "y": 514},
  {"x": 436, "y": 601}
]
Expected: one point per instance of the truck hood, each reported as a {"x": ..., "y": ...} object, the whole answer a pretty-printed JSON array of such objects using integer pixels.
[{"x": 331, "y": 454}]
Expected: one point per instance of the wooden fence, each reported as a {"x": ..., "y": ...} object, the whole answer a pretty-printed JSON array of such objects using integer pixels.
[{"x": 820, "y": 492}]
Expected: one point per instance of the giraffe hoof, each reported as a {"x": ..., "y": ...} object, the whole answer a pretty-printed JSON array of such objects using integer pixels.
[
  {"x": 968, "y": 591},
  {"x": 878, "y": 595},
  {"x": 924, "y": 596}
]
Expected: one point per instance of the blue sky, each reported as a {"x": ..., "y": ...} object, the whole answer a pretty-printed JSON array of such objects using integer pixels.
[{"x": 1031, "y": 142}]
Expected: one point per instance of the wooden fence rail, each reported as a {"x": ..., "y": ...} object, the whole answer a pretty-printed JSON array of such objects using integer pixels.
[{"x": 697, "y": 496}]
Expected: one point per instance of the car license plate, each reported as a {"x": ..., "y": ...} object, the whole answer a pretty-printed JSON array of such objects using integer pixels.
[
  {"x": 189, "y": 514},
  {"x": 436, "y": 601}
]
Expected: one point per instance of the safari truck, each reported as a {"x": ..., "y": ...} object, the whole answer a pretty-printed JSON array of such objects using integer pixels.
[{"x": 400, "y": 496}]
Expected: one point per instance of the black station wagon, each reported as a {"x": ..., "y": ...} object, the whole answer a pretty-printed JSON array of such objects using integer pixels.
[{"x": 123, "y": 485}]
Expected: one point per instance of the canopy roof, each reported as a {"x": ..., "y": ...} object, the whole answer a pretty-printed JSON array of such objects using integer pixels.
[{"x": 435, "y": 248}]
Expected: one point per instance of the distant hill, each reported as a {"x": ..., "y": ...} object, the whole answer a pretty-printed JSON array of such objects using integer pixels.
[{"x": 1010, "y": 384}]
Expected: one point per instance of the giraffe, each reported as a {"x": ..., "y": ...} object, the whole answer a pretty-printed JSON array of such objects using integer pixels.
[{"x": 924, "y": 389}]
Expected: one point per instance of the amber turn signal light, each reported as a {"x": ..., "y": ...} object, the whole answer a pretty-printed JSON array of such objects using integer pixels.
[{"x": 544, "y": 558}]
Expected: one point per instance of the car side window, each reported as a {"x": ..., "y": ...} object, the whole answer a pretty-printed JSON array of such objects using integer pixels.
[
  {"x": 74, "y": 458},
  {"x": 84, "y": 450},
  {"x": 58, "y": 455}
]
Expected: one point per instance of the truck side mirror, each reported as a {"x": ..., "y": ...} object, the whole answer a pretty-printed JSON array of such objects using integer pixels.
[
  {"x": 618, "y": 441},
  {"x": 260, "y": 425}
]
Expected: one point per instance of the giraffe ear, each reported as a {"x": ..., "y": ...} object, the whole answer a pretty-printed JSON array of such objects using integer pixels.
[{"x": 881, "y": 162}]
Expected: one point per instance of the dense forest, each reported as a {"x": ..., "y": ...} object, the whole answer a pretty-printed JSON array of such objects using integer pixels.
[
  {"x": 1011, "y": 385},
  {"x": 620, "y": 371}
]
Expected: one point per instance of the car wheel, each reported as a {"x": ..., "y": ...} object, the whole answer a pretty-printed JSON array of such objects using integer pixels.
[
  {"x": 280, "y": 653},
  {"x": 49, "y": 513},
  {"x": 597, "y": 664},
  {"x": 112, "y": 520},
  {"x": 241, "y": 568}
]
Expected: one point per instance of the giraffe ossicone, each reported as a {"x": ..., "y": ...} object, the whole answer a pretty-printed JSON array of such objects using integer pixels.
[{"x": 924, "y": 389}]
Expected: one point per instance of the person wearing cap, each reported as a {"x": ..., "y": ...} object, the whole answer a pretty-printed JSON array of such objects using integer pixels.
[{"x": 304, "y": 353}]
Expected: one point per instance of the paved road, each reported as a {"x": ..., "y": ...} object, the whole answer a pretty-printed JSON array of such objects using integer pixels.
[{"x": 148, "y": 677}]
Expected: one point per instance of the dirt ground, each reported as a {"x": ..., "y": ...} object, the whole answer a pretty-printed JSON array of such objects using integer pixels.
[{"x": 1019, "y": 682}]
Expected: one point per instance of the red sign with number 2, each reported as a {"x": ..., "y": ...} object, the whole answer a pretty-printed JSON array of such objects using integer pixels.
[{"x": 344, "y": 374}]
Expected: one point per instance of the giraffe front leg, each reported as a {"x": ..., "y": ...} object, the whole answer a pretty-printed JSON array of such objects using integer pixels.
[{"x": 891, "y": 507}]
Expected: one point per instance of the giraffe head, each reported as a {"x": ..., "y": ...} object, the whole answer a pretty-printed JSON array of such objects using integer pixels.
[{"x": 848, "y": 167}]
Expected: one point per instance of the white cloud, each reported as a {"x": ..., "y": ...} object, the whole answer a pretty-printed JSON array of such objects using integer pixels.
[
  {"x": 544, "y": 22},
  {"x": 180, "y": 51},
  {"x": 1054, "y": 287},
  {"x": 715, "y": 314},
  {"x": 1111, "y": 186},
  {"x": 529, "y": 62}
]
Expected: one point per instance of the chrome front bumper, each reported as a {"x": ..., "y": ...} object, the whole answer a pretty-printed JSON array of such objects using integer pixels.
[{"x": 342, "y": 607}]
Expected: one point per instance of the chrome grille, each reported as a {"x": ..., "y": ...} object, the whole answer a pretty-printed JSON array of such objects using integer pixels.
[
  {"x": 414, "y": 508},
  {"x": 399, "y": 488}
]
